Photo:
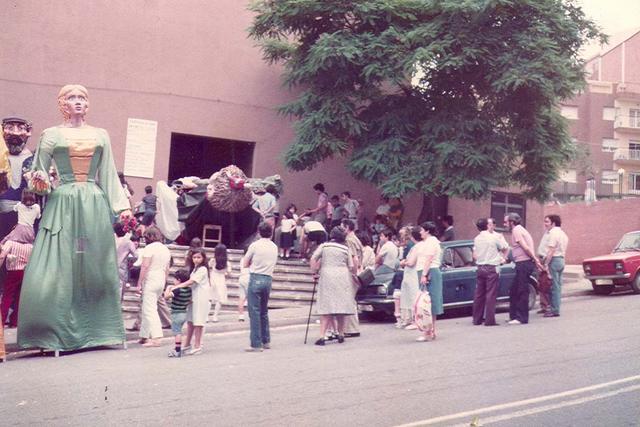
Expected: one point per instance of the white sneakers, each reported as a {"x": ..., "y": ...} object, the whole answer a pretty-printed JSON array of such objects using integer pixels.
[{"x": 514, "y": 322}]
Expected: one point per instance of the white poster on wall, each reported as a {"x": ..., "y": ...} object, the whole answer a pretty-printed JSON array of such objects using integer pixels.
[{"x": 140, "y": 151}]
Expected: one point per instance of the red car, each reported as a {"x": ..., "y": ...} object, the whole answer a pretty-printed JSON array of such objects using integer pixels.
[{"x": 621, "y": 268}]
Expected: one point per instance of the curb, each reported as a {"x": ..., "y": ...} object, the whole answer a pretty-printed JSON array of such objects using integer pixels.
[{"x": 131, "y": 337}]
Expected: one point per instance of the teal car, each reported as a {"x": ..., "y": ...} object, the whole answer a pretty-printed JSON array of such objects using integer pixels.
[{"x": 458, "y": 283}]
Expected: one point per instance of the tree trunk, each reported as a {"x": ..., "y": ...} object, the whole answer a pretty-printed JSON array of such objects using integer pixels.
[{"x": 433, "y": 208}]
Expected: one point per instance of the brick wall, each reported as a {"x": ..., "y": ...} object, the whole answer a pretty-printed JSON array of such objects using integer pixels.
[{"x": 595, "y": 228}]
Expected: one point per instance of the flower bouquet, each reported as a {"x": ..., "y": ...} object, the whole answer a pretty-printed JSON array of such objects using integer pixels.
[
  {"x": 39, "y": 183},
  {"x": 129, "y": 224}
]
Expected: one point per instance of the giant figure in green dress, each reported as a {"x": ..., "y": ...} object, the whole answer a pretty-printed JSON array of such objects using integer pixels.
[{"x": 70, "y": 297}]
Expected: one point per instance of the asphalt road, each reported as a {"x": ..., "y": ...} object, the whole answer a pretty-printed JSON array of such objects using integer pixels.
[{"x": 582, "y": 368}]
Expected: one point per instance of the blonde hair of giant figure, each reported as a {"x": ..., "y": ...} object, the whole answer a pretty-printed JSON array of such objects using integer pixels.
[{"x": 62, "y": 96}]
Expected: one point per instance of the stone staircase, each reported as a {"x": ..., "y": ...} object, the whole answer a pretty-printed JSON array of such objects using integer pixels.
[{"x": 292, "y": 282}]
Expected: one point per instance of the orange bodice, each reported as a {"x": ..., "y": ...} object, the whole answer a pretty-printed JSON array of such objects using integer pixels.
[{"x": 82, "y": 144}]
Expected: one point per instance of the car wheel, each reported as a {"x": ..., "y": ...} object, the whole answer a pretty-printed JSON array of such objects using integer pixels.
[
  {"x": 602, "y": 289},
  {"x": 533, "y": 294},
  {"x": 635, "y": 285}
]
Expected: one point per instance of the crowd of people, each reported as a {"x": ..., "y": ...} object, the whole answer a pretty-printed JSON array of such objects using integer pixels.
[{"x": 92, "y": 257}]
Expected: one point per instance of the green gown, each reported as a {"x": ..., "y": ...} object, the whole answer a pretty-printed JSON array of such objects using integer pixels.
[{"x": 70, "y": 292}]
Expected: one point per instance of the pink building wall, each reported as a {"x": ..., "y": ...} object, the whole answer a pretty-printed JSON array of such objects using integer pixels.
[
  {"x": 595, "y": 228},
  {"x": 189, "y": 66}
]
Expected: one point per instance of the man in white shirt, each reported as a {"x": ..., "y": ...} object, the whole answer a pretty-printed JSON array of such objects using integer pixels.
[
  {"x": 488, "y": 252},
  {"x": 312, "y": 232},
  {"x": 554, "y": 261},
  {"x": 388, "y": 256},
  {"x": 351, "y": 206},
  {"x": 261, "y": 259},
  {"x": 544, "y": 290}
]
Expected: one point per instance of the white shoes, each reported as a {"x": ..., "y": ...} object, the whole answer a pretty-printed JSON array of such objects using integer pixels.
[
  {"x": 514, "y": 322},
  {"x": 411, "y": 327}
]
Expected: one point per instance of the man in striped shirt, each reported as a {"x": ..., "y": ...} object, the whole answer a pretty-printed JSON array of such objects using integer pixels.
[{"x": 17, "y": 253}]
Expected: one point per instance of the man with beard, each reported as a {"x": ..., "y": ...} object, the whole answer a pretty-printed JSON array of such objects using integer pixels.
[{"x": 16, "y": 132}]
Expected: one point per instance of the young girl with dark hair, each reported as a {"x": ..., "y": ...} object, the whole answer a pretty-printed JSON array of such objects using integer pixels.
[
  {"x": 198, "y": 311},
  {"x": 28, "y": 212},
  {"x": 219, "y": 272}
]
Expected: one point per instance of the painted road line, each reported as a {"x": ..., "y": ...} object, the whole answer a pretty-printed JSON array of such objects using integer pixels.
[
  {"x": 518, "y": 403},
  {"x": 547, "y": 408}
]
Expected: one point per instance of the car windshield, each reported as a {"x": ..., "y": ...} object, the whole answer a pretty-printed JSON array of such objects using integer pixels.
[{"x": 629, "y": 242}]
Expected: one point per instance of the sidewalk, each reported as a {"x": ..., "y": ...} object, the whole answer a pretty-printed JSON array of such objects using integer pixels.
[{"x": 574, "y": 285}]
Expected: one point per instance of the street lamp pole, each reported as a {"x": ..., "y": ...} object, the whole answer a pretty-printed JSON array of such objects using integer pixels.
[{"x": 620, "y": 177}]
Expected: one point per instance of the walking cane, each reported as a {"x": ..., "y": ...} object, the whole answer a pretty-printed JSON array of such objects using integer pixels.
[{"x": 313, "y": 294}]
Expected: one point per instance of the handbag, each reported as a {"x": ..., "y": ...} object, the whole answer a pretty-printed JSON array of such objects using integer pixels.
[{"x": 422, "y": 316}]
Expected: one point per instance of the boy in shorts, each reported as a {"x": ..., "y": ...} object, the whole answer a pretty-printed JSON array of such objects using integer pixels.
[{"x": 180, "y": 300}]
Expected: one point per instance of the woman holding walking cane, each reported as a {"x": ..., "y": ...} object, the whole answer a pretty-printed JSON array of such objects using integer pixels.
[{"x": 334, "y": 264}]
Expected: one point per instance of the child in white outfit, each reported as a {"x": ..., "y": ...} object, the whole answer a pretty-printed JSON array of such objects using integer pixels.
[{"x": 220, "y": 268}]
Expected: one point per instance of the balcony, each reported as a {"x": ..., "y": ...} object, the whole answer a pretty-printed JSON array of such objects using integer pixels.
[
  {"x": 629, "y": 91},
  {"x": 624, "y": 155},
  {"x": 627, "y": 123}
]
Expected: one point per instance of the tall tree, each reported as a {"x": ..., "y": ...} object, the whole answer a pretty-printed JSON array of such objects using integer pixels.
[{"x": 443, "y": 97}]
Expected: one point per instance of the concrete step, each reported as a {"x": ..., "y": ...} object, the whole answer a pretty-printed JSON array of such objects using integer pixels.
[{"x": 292, "y": 280}]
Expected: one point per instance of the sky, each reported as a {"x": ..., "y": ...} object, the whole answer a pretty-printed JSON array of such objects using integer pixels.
[{"x": 613, "y": 16}]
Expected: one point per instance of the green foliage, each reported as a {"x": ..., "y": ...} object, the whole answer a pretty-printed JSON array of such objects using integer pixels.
[{"x": 482, "y": 112}]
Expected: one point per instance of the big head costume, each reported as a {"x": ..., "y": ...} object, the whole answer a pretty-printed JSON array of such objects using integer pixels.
[
  {"x": 15, "y": 160},
  {"x": 70, "y": 297}
]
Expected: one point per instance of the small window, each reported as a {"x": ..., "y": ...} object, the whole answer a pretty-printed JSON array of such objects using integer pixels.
[
  {"x": 569, "y": 112},
  {"x": 609, "y": 113},
  {"x": 569, "y": 175},
  {"x": 504, "y": 203},
  {"x": 458, "y": 257},
  {"x": 634, "y": 183},
  {"x": 634, "y": 118},
  {"x": 609, "y": 145},
  {"x": 609, "y": 177}
]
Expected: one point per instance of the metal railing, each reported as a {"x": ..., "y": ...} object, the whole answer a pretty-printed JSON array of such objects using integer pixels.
[
  {"x": 626, "y": 154},
  {"x": 627, "y": 121}
]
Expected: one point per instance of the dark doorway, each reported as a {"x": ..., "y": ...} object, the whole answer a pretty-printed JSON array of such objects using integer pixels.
[{"x": 193, "y": 155}]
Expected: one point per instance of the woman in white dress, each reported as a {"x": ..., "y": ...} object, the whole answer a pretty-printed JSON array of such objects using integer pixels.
[
  {"x": 153, "y": 276},
  {"x": 198, "y": 311},
  {"x": 411, "y": 277}
]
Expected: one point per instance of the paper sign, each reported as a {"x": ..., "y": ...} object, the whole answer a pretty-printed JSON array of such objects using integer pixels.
[{"x": 140, "y": 151}]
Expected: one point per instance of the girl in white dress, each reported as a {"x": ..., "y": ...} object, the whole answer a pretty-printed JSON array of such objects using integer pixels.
[
  {"x": 198, "y": 311},
  {"x": 220, "y": 269}
]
